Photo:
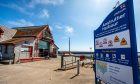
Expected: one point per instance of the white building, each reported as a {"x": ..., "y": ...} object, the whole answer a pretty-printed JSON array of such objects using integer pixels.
[{"x": 29, "y": 44}]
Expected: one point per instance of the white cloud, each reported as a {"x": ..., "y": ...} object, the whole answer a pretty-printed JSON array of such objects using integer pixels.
[
  {"x": 69, "y": 29},
  {"x": 91, "y": 13},
  {"x": 21, "y": 22},
  {"x": 44, "y": 14},
  {"x": 21, "y": 9},
  {"x": 45, "y": 2},
  {"x": 58, "y": 27}
]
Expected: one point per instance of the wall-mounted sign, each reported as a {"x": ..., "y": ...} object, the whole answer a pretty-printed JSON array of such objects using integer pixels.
[
  {"x": 43, "y": 45},
  {"x": 115, "y": 47},
  {"x": 25, "y": 49}
]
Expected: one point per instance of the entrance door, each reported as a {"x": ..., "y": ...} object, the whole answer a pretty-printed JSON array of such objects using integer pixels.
[{"x": 30, "y": 51}]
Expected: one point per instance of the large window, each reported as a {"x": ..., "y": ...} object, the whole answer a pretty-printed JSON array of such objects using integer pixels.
[
  {"x": 43, "y": 45},
  {"x": 6, "y": 49}
]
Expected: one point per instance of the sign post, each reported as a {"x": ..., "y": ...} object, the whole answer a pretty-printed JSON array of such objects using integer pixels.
[{"x": 116, "y": 57}]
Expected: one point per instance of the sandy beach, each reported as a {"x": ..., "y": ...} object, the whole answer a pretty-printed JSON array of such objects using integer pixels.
[{"x": 43, "y": 72}]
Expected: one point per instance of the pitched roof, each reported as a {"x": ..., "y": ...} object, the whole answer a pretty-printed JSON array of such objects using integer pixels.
[
  {"x": 15, "y": 40},
  {"x": 8, "y": 33},
  {"x": 30, "y": 30}
]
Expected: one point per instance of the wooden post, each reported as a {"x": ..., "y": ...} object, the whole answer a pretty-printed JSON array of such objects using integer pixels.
[
  {"x": 72, "y": 60},
  {"x": 62, "y": 61},
  {"x": 78, "y": 67}
]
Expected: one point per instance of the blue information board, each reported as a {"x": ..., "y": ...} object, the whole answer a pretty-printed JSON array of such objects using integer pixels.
[{"x": 115, "y": 47}]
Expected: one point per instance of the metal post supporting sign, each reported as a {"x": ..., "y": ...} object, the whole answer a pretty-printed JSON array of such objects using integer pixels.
[{"x": 116, "y": 57}]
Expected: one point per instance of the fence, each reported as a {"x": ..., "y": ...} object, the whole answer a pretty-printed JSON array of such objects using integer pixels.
[{"x": 73, "y": 64}]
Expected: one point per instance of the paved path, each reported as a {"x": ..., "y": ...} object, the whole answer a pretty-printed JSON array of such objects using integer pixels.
[{"x": 43, "y": 72}]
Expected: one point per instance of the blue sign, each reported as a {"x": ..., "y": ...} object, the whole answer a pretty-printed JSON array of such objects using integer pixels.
[
  {"x": 115, "y": 47},
  {"x": 43, "y": 45}
]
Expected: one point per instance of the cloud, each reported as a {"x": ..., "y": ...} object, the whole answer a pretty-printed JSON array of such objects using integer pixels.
[
  {"x": 69, "y": 29},
  {"x": 45, "y": 2},
  {"x": 21, "y": 9},
  {"x": 44, "y": 14},
  {"x": 20, "y": 23},
  {"x": 91, "y": 13},
  {"x": 58, "y": 26}
]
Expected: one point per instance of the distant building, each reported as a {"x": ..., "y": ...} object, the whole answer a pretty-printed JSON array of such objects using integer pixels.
[{"x": 29, "y": 44}]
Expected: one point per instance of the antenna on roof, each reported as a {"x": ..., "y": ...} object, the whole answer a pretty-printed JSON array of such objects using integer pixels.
[{"x": 117, "y": 4}]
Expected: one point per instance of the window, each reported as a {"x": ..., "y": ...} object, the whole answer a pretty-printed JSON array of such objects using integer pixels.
[
  {"x": 6, "y": 49},
  {"x": 26, "y": 42}
]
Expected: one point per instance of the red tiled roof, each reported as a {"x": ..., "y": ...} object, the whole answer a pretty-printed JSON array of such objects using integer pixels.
[
  {"x": 29, "y": 31},
  {"x": 15, "y": 40}
]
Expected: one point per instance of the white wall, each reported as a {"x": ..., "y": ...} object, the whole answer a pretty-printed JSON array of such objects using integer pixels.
[
  {"x": 35, "y": 52},
  {"x": 20, "y": 54}
]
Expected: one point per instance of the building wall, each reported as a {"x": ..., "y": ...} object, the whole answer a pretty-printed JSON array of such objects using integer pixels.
[
  {"x": 35, "y": 48},
  {"x": 16, "y": 51},
  {"x": 8, "y": 33},
  {"x": 53, "y": 50},
  {"x": 20, "y": 54}
]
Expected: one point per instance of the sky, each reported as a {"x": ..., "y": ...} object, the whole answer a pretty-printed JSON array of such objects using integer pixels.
[{"x": 76, "y": 19}]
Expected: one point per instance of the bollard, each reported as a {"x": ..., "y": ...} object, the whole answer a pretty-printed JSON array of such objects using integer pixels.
[
  {"x": 78, "y": 67},
  {"x": 72, "y": 60}
]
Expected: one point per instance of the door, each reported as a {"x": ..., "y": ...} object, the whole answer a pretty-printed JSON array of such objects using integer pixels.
[{"x": 30, "y": 51}]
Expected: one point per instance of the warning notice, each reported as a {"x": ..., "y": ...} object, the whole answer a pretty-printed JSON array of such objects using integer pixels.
[{"x": 117, "y": 40}]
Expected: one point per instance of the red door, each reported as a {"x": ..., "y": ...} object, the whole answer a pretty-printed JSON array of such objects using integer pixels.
[{"x": 30, "y": 51}]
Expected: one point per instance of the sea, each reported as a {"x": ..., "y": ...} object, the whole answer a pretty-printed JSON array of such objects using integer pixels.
[{"x": 87, "y": 55}]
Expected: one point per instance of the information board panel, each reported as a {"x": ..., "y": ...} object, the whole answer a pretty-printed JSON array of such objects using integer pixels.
[{"x": 113, "y": 48}]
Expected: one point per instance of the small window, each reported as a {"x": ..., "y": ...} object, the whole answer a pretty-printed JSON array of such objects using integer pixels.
[
  {"x": 6, "y": 49},
  {"x": 26, "y": 42}
]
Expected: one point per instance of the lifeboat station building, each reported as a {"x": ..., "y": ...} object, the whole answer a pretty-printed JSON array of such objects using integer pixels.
[{"x": 25, "y": 44}]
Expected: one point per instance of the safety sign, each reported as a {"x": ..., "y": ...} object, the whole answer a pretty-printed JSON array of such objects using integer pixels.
[{"x": 115, "y": 43}]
